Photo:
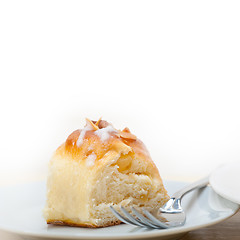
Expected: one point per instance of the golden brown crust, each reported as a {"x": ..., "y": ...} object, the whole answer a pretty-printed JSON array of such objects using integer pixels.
[
  {"x": 93, "y": 142},
  {"x": 85, "y": 225}
]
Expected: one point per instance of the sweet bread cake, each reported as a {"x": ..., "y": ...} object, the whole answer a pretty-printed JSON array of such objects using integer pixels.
[{"x": 98, "y": 167}]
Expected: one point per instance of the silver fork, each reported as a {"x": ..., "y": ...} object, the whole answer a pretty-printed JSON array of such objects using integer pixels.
[{"x": 169, "y": 215}]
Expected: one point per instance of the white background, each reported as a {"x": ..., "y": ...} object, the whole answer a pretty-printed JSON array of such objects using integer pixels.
[{"x": 169, "y": 70}]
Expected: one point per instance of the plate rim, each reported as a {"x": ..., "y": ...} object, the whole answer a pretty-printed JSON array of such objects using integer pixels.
[{"x": 141, "y": 235}]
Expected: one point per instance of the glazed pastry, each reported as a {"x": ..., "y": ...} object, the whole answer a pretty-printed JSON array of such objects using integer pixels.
[{"x": 98, "y": 167}]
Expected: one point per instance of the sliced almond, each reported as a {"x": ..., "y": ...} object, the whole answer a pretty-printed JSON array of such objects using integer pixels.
[
  {"x": 126, "y": 129},
  {"x": 127, "y": 135},
  {"x": 98, "y": 121},
  {"x": 103, "y": 124},
  {"x": 93, "y": 125}
]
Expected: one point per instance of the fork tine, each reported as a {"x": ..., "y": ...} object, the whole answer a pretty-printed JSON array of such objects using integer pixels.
[
  {"x": 131, "y": 218},
  {"x": 157, "y": 221},
  {"x": 119, "y": 216},
  {"x": 145, "y": 220},
  {"x": 154, "y": 219}
]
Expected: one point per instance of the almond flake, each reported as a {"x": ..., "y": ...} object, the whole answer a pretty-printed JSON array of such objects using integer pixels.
[
  {"x": 126, "y": 134},
  {"x": 98, "y": 121},
  {"x": 93, "y": 125}
]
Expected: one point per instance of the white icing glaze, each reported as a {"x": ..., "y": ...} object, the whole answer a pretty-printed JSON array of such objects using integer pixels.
[
  {"x": 90, "y": 160},
  {"x": 82, "y": 134},
  {"x": 103, "y": 133}
]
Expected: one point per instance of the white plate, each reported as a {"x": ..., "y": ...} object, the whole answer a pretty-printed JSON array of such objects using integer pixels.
[
  {"x": 225, "y": 180},
  {"x": 21, "y": 213}
]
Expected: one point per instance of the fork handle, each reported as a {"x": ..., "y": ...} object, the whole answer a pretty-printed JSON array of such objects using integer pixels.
[{"x": 198, "y": 184}]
